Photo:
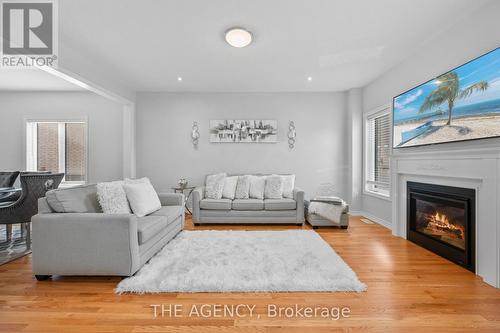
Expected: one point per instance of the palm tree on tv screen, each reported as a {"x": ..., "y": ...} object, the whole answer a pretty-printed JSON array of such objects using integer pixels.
[{"x": 448, "y": 90}]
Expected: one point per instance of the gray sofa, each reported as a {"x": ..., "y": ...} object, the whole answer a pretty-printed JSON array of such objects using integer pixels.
[
  {"x": 248, "y": 211},
  {"x": 71, "y": 235}
]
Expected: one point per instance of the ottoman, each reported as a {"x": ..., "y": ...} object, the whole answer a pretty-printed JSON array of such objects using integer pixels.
[{"x": 317, "y": 221}]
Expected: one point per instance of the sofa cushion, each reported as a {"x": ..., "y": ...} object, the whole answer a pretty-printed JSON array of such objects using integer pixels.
[
  {"x": 280, "y": 204},
  {"x": 231, "y": 216},
  {"x": 149, "y": 226},
  {"x": 171, "y": 212},
  {"x": 248, "y": 204},
  {"x": 215, "y": 204},
  {"x": 78, "y": 199}
]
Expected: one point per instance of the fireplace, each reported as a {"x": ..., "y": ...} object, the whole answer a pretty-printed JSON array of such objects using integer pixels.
[{"x": 442, "y": 220}]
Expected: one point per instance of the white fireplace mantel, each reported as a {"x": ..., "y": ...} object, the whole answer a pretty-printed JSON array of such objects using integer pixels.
[{"x": 478, "y": 169}]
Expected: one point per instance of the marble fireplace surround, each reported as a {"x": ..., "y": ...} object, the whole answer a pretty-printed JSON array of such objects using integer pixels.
[{"x": 477, "y": 169}]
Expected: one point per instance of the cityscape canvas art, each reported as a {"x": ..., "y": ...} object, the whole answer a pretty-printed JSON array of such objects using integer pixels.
[
  {"x": 463, "y": 104},
  {"x": 244, "y": 131}
]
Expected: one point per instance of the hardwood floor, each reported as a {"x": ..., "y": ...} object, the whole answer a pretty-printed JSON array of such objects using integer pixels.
[{"x": 409, "y": 290}]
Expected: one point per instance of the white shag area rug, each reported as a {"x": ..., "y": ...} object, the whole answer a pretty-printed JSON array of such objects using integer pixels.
[{"x": 244, "y": 261}]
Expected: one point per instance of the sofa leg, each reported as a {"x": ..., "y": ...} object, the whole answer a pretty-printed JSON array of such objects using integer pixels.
[
  {"x": 196, "y": 224},
  {"x": 42, "y": 277},
  {"x": 344, "y": 226},
  {"x": 315, "y": 227},
  {"x": 300, "y": 224}
]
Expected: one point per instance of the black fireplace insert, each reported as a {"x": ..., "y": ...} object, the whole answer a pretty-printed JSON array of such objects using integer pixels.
[{"x": 442, "y": 220}]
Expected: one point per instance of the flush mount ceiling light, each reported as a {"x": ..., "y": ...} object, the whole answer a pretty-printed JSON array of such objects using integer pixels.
[{"x": 238, "y": 37}]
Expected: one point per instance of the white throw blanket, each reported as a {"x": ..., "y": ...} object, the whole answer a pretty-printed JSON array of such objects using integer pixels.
[{"x": 328, "y": 207}]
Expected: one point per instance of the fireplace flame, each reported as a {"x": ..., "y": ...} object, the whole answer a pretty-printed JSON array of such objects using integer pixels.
[
  {"x": 441, "y": 218},
  {"x": 440, "y": 221}
]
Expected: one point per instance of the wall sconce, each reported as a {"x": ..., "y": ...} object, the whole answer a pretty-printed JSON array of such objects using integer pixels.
[
  {"x": 195, "y": 134},
  {"x": 292, "y": 134}
]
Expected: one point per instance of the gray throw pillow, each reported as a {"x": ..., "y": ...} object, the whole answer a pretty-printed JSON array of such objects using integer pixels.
[
  {"x": 274, "y": 187},
  {"x": 78, "y": 199},
  {"x": 242, "y": 187},
  {"x": 230, "y": 187},
  {"x": 288, "y": 186},
  {"x": 214, "y": 186},
  {"x": 257, "y": 186}
]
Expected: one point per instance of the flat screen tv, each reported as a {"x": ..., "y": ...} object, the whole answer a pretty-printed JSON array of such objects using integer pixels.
[{"x": 462, "y": 104}]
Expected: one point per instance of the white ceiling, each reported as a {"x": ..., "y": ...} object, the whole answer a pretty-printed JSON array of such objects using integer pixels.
[
  {"x": 33, "y": 80},
  {"x": 341, "y": 44}
]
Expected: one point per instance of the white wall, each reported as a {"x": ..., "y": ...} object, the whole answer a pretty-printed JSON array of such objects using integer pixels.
[
  {"x": 165, "y": 152},
  {"x": 102, "y": 77},
  {"x": 355, "y": 118},
  {"x": 104, "y": 121},
  {"x": 464, "y": 41}
]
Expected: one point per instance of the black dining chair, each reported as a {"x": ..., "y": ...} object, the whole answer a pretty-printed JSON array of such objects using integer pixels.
[
  {"x": 34, "y": 186},
  {"x": 7, "y": 179},
  {"x": 9, "y": 197}
]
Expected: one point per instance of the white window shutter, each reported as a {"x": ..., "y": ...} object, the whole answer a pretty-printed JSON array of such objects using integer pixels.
[{"x": 378, "y": 150}]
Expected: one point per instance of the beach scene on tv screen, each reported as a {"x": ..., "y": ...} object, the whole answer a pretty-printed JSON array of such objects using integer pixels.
[{"x": 463, "y": 104}]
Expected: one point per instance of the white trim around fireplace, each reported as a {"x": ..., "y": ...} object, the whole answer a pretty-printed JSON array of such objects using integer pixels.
[{"x": 478, "y": 169}]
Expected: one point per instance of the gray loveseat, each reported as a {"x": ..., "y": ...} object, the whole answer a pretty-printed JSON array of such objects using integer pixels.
[
  {"x": 247, "y": 211},
  {"x": 71, "y": 235}
]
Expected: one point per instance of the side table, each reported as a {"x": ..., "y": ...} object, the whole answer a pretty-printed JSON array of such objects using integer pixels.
[{"x": 190, "y": 190}]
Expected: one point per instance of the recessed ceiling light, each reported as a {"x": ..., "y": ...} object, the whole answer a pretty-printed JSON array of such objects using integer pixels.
[
  {"x": 238, "y": 37},
  {"x": 179, "y": 78},
  {"x": 309, "y": 78}
]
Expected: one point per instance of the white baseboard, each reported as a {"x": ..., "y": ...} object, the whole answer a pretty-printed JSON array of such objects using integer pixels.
[{"x": 375, "y": 219}]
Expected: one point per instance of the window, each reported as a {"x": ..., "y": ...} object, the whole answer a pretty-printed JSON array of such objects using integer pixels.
[
  {"x": 377, "y": 148},
  {"x": 58, "y": 146}
]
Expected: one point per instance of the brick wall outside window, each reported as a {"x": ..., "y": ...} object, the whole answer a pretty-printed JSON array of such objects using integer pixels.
[
  {"x": 50, "y": 137},
  {"x": 47, "y": 150},
  {"x": 75, "y": 152}
]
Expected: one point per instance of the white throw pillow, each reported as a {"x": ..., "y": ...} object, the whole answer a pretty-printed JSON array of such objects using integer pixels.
[
  {"x": 112, "y": 198},
  {"x": 243, "y": 187},
  {"x": 214, "y": 186},
  {"x": 257, "y": 186},
  {"x": 288, "y": 186},
  {"x": 274, "y": 187},
  {"x": 142, "y": 197},
  {"x": 229, "y": 187}
]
